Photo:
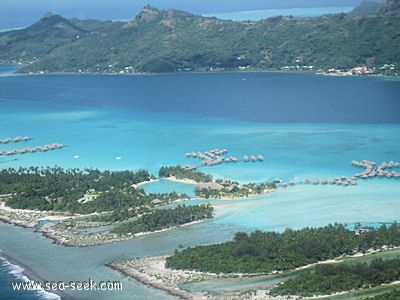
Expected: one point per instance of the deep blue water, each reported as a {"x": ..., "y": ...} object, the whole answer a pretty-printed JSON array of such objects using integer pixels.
[{"x": 250, "y": 97}]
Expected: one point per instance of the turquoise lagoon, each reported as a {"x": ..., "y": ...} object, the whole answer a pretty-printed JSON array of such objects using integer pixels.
[{"x": 303, "y": 124}]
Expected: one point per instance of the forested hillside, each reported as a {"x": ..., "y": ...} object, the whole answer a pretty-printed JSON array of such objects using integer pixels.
[{"x": 171, "y": 40}]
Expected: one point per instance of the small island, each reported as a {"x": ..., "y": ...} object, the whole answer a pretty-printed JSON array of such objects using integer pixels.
[
  {"x": 207, "y": 188},
  {"x": 89, "y": 207},
  {"x": 296, "y": 263}
]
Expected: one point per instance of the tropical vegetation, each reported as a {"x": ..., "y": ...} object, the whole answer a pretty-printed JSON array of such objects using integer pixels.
[
  {"x": 171, "y": 40},
  {"x": 79, "y": 191},
  {"x": 165, "y": 218},
  {"x": 264, "y": 252},
  {"x": 231, "y": 189},
  {"x": 180, "y": 172},
  {"x": 326, "y": 279},
  {"x": 392, "y": 295}
]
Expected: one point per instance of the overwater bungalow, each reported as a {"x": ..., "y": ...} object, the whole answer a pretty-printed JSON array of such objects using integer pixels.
[
  {"x": 260, "y": 157},
  {"x": 246, "y": 158}
]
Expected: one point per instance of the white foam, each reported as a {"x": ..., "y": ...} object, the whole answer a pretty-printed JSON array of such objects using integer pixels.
[{"x": 17, "y": 271}]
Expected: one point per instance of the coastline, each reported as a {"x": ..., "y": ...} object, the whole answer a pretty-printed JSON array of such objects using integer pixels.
[
  {"x": 68, "y": 239},
  {"x": 180, "y": 180},
  {"x": 28, "y": 218},
  {"x": 28, "y": 274},
  {"x": 245, "y": 197},
  {"x": 254, "y": 70},
  {"x": 151, "y": 271},
  {"x": 143, "y": 183}
]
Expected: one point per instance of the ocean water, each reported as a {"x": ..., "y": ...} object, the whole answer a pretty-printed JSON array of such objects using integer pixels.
[
  {"x": 13, "y": 16},
  {"x": 11, "y": 272},
  {"x": 305, "y": 125},
  {"x": 256, "y": 15}
]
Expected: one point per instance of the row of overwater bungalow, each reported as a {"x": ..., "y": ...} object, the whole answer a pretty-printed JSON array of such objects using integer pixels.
[
  {"x": 343, "y": 181},
  {"x": 44, "y": 148},
  {"x": 385, "y": 169},
  {"x": 14, "y": 140},
  {"x": 253, "y": 158}
]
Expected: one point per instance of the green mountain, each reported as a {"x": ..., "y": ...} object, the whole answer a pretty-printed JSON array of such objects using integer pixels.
[
  {"x": 171, "y": 40},
  {"x": 390, "y": 7}
]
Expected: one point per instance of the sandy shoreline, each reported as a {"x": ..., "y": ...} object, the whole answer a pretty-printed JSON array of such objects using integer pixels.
[
  {"x": 182, "y": 180},
  {"x": 143, "y": 183}
]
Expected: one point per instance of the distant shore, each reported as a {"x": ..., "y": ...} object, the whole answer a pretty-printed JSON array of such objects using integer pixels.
[{"x": 253, "y": 70}]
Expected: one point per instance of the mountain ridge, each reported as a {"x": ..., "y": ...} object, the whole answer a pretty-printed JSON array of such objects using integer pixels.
[{"x": 172, "y": 40}]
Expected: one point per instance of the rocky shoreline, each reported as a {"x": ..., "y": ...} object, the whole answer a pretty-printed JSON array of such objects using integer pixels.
[
  {"x": 27, "y": 218},
  {"x": 60, "y": 232},
  {"x": 152, "y": 272}
]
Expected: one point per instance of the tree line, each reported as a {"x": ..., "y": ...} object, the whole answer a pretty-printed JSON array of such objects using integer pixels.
[
  {"x": 61, "y": 190},
  {"x": 231, "y": 189},
  {"x": 182, "y": 173},
  {"x": 165, "y": 218},
  {"x": 263, "y": 252},
  {"x": 325, "y": 279}
]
